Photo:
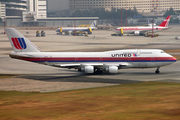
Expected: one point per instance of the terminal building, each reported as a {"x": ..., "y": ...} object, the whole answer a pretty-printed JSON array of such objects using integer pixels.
[
  {"x": 16, "y": 8},
  {"x": 14, "y": 11},
  {"x": 2, "y": 11},
  {"x": 141, "y": 5},
  {"x": 34, "y": 13},
  {"x": 38, "y": 6}
]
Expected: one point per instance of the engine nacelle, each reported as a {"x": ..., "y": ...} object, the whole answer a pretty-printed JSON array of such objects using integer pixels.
[
  {"x": 112, "y": 69},
  {"x": 136, "y": 32},
  {"x": 87, "y": 69},
  {"x": 89, "y": 31}
]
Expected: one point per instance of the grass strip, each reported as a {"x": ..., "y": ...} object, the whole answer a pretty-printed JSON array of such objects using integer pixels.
[{"x": 147, "y": 100}]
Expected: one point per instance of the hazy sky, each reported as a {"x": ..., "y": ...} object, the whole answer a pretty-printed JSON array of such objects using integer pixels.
[{"x": 56, "y": 5}]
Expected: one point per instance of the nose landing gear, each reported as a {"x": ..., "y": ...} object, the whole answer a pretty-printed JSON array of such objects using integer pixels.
[{"x": 157, "y": 71}]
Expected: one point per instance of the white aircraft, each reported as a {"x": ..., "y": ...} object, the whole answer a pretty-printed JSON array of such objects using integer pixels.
[
  {"x": 145, "y": 29},
  {"x": 72, "y": 29},
  {"x": 88, "y": 62}
]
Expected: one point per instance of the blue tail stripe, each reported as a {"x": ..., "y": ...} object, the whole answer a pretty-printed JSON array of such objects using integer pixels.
[
  {"x": 19, "y": 39},
  {"x": 24, "y": 44}
]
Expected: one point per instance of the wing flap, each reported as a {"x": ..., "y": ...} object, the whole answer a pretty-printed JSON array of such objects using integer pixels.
[
  {"x": 98, "y": 65},
  {"x": 67, "y": 65},
  {"x": 78, "y": 65}
]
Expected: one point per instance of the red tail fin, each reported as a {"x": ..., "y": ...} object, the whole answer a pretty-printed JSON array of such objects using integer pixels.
[{"x": 165, "y": 22}]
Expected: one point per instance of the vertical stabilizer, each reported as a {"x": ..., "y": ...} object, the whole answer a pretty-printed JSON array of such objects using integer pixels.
[
  {"x": 165, "y": 22},
  {"x": 19, "y": 42},
  {"x": 94, "y": 24}
]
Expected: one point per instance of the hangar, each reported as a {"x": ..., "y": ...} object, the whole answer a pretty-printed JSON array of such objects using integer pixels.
[{"x": 60, "y": 21}]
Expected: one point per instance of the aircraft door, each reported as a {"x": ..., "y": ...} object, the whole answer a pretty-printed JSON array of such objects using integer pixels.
[
  {"x": 151, "y": 63},
  {"x": 100, "y": 60},
  {"x": 76, "y": 60},
  {"x": 138, "y": 52},
  {"x": 44, "y": 60}
]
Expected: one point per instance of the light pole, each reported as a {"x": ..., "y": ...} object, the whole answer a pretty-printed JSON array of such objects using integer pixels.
[
  {"x": 4, "y": 25},
  {"x": 152, "y": 27}
]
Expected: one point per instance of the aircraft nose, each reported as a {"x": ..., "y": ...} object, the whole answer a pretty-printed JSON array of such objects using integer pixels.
[
  {"x": 174, "y": 59},
  {"x": 57, "y": 30}
]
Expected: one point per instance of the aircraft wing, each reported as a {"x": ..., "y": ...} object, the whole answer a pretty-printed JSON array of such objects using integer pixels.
[{"x": 98, "y": 65}]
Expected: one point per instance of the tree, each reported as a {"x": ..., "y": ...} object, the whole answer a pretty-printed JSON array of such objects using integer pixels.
[
  {"x": 169, "y": 12},
  {"x": 135, "y": 10},
  {"x": 105, "y": 14}
]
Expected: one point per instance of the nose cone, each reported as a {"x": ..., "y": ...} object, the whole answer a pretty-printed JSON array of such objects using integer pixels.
[
  {"x": 173, "y": 59},
  {"x": 117, "y": 29},
  {"x": 58, "y": 30}
]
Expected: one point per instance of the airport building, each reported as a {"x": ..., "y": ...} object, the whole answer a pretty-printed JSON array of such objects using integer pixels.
[
  {"x": 2, "y": 11},
  {"x": 38, "y": 6},
  {"x": 16, "y": 8},
  {"x": 19, "y": 11},
  {"x": 34, "y": 13},
  {"x": 141, "y": 5}
]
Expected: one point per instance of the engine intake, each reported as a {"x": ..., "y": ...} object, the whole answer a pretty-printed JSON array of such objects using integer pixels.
[
  {"x": 136, "y": 32},
  {"x": 87, "y": 69},
  {"x": 112, "y": 69}
]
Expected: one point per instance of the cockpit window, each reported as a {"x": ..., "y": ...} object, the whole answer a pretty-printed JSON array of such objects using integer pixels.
[{"x": 162, "y": 52}]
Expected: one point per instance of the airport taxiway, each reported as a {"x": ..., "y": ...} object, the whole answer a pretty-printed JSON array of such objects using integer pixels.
[{"x": 36, "y": 77}]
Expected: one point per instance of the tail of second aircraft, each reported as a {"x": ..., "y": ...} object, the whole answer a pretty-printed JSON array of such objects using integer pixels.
[
  {"x": 19, "y": 42},
  {"x": 165, "y": 22},
  {"x": 94, "y": 24}
]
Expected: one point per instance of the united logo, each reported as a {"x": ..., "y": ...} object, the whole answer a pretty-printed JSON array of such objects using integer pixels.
[
  {"x": 19, "y": 43},
  {"x": 134, "y": 55}
]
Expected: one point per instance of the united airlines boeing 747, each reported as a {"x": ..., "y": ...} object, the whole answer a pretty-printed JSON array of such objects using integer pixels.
[{"x": 88, "y": 62}]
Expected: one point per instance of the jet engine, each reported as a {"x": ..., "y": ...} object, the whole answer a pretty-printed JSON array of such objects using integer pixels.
[
  {"x": 87, "y": 69},
  {"x": 112, "y": 69},
  {"x": 136, "y": 32},
  {"x": 89, "y": 31}
]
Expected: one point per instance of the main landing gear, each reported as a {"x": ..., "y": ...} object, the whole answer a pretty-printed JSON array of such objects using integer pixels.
[
  {"x": 157, "y": 71},
  {"x": 98, "y": 71}
]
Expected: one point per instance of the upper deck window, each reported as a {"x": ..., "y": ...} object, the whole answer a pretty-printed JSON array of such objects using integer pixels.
[{"x": 146, "y": 53}]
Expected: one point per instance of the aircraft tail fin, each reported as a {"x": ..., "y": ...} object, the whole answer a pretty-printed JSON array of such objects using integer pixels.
[
  {"x": 19, "y": 42},
  {"x": 94, "y": 24},
  {"x": 165, "y": 22}
]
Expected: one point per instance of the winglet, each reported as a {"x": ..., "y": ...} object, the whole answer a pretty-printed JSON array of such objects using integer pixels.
[
  {"x": 19, "y": 42},
  {"x": 165, "y": 22}
]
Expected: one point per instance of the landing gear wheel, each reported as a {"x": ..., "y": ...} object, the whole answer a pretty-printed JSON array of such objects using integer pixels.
[
  {"x": 157, "y": 71},
  {"x": 98, "y": 71}
]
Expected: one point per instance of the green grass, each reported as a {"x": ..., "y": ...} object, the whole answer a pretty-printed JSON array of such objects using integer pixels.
[{"x": 147, "y": 100}]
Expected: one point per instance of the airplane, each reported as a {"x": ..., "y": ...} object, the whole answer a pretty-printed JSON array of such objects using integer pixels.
[
  {"x": 144, "y": 29},
  {"x": 88, "y": 62},
  {"x": 72, "y": 29}
]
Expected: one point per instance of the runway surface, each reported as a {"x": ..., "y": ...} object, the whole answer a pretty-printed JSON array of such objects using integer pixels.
[{"x": 36, "y": 77}]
